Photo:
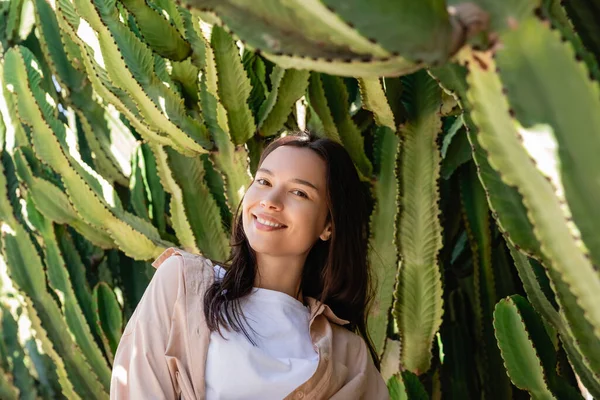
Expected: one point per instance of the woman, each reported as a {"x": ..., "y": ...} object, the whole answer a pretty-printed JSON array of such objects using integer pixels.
[{"x": 287, "y": 317}]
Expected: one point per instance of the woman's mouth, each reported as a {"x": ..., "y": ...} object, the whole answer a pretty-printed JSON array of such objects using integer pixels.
[{"x": 264, "y": 225}]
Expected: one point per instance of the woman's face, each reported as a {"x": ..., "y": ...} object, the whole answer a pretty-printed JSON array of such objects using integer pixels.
[{"x": 289, "y": 189}]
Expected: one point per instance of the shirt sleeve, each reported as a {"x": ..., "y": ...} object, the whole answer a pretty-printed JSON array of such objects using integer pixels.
[
  {"x": 140, "y": 368},
  {"x": 364, "y": 381},
  {"x": 376, "y": 388}
]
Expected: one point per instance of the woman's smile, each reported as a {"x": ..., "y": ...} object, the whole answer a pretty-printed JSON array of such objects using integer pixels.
[{"x": 264, "y": 225}]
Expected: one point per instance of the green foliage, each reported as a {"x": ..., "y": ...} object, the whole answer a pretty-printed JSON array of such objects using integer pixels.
[{"x": 129, "y": 127}]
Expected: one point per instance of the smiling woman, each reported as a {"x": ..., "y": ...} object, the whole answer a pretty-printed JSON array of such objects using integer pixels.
[{"x": 285, "y": 316}]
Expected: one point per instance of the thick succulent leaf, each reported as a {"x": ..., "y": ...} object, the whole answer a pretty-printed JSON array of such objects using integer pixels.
[
  {"x": 525, "y": 346},
  {"x": 77, "y": 272},
  {"x": 304, "y": 28},
  {"x": 584, "y": 15},
  {"x": 337, "y": 100},
  {"x": 109, "y": 319},
  {"x": 215, "y": 183},
  {"x": 374, "y": 99},
  {"x": 266, "y": 106},
  {"x": 15, "y": 378},
  {"x": 577, "y": 325},
  {"x": 390, "y": 360},
  {"x": 230, "y": 160},
  {"x": 155, "y": 190},
  {"x": 193, "y": 34},
  {"x": 406, "y": 386},
  {"x": 505, "y": 202},
  {"x": 26, "y": 272},
  {"x": 458, "y": 152},
  {"x": 415, "y": 30},
  {"x": 287, "y": 88},
  {"x": 459, "y": 348},
  {"x": 186, "y": 74},
  {"x": 194, "y": 212},
  {"x": 138, "y": 198},
  {"x": 554, "y": 10},
  {"x": 256, "y": 69},
  {"x": 100, "y": 138},
  {"x": 8, "y": 390},
  {"x": 318, "y": 105},
  {"x": 383, "y": 256},
  {"x": 13, "y": 18},
  {"x": 569, "y": 111},
  {"x": 52, "y": 46},
  {"x": 70, "y": 24},
  {"x": 418, "y": 304},
  {"x": 499, "y": 135},
  {"x": 339, "y": 39},
  {"x": 538, "y": 299},
  {"x": 369, "y": 68},
  {"x": 234, "y": 86},
  {"x": 75, "y": 375},
  {"x": 179, "y": 219},
  {"x": 92, "y": 197},
  {"x": 198, "y": 204},
  {"x": 477, "y": 224},
  {"x": 53, "y": 203},
  {"x": 161, "y": 35},
  {"x": 396, "y": 388},
  {"x": 130, "y": 65},
  {"x": 2, "y": 124},
  {"x": 59, "y": 281}
]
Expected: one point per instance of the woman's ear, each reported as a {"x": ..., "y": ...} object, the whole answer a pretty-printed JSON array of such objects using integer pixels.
[{"x": 326, "y": 234}]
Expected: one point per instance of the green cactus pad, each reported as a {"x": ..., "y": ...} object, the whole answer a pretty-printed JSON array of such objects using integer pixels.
[
  {"x": 60, "y": 281},
  {"x": 159, "y": 33},
  {"x": 570, "y": 111},
  {"x": 234, "y": 86},
  {"x": 499, "y": 135},
  {"x": 525, "y": 347},
  {"x": 109, "y": 319},
  {"x": 418, "y": 306},
  {"x": 374, "y": 99},
  {"x": 383, "y": 256},
  {"x": 288, "y": 86}
]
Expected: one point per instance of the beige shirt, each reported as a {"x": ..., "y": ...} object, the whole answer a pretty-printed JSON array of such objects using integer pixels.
[{"x": 162, "y": 353}]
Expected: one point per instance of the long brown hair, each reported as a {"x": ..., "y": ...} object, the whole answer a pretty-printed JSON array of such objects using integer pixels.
[{"x": 336, "y": 272}]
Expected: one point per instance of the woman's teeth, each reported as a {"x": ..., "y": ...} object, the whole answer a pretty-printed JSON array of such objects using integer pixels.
[{"x": 262, "y": 221}]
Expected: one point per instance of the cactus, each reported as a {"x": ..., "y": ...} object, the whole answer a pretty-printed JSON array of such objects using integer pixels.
[
  {"x": 348, "y": 38},
  {"x": 109, "y": 321},
  {"x": 418, "y": 304},
  {"x": 131, "y": 126},
  {"x": 528, "y": 354}
]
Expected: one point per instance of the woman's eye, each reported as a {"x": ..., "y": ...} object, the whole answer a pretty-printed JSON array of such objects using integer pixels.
[
  {"x": 260, "y": 181},
  {"x": 300, "y": 193},
  {"x": 263, "y": 182}
]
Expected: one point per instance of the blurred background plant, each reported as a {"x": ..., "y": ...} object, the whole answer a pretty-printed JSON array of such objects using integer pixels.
[{"x": 131, "y": 126}]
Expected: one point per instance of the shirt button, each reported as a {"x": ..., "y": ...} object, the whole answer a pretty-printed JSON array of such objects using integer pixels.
[{"x": 300, "y": 395}]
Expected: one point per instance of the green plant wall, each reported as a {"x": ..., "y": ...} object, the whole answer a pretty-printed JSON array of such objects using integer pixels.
[{"x": 132, "y": 126}]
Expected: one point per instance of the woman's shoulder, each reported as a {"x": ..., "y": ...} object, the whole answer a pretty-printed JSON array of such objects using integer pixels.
[
  {"x": 184, "y": 257},
  {"x": 195, "y": 268},
  {"x": 340, "y": 333}
]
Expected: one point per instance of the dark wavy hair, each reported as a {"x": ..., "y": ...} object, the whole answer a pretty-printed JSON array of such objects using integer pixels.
[{"x": 336, "y": 271}]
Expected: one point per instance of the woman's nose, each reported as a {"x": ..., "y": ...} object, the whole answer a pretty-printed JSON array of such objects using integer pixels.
[{"x": 271, "y": 202}]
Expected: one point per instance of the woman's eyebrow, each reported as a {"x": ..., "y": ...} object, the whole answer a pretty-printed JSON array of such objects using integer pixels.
[{"x": 297, "y": 180}]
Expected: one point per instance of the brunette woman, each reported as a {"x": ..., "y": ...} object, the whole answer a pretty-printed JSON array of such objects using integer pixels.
[{"x": 286, "y": 315}]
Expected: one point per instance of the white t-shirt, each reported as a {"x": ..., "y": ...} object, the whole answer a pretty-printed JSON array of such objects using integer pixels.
[{"x": 283, "y": 358}]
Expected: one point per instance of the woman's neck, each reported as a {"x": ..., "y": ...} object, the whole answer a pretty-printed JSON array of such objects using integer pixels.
[{"x": 283, "y": 274}]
